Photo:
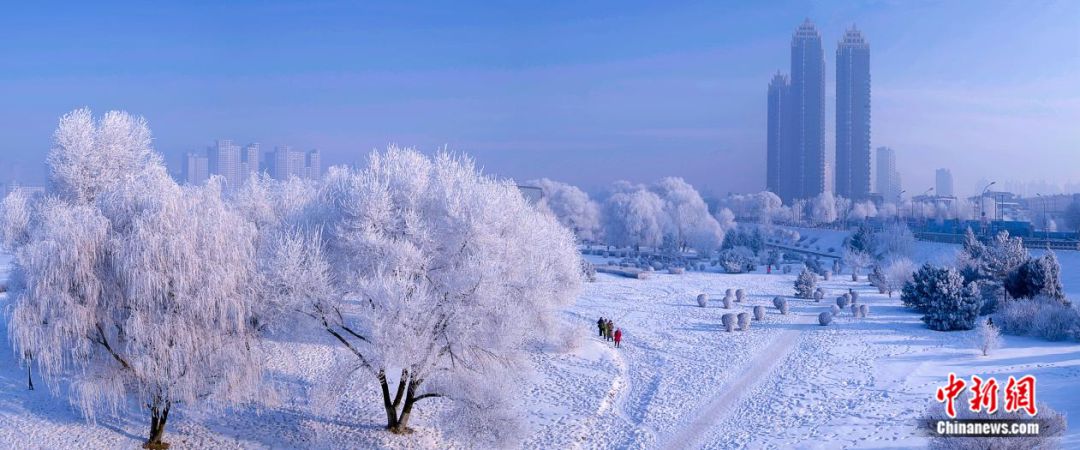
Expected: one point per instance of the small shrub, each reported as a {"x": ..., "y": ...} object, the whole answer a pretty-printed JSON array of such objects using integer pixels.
[
  {"x": 744, "y": 321},
  {"x": 843, "y": 301},
  {"x": 729, "y": 292},
  {"x": 702, "y": 300},
  {"x": 729, "y": 321},
  {"x": 827, "y": 275},
  {"x": 824, "y": 318},
  {"x": 676, "y": 270},
  {"x": 786, "y": 269},
  {"x": 835, "y": 310},
  {"x": 855, "y": 311},
  {"x": 854, "y": 296},
  {"x": 759, "y": 312},
  {"x": 740, "y": 295},
  {"x": 727, "y": 302},
  {"x": 864, "y": 310},
  {"x": 987, "y": 337},
  {"x": 588, "y": 271},
  {"x": 781, "y": 304}
]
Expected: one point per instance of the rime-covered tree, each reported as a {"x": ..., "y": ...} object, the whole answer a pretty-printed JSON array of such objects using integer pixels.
[
  {"x": 896, "y": 274},
  {"x": 893, "y": 241},
  {"x": 688, "y": 220},
  {"x": 130, "y": 287},
  {"x": 572, "y": 206},
  {"x": 823, "y": 209},
  {"x": 435, "y": 278},
  {"x": 857, "y": 260},
  {"x": 634, "y": 216}
]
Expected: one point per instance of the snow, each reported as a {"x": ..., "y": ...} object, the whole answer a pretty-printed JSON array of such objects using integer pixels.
[{"x": 679, "y": 380}]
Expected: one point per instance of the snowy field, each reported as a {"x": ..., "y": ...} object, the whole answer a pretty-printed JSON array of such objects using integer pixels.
[{"x": 679, "y": 382}]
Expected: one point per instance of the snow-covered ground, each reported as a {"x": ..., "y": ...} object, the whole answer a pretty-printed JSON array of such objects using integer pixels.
[{"x": 680, "y": 381}]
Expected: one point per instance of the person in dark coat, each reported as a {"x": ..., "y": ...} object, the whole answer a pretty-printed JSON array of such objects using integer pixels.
[
  {"x": 600, "y": 326},
  {"x": 618, "y": 337}
]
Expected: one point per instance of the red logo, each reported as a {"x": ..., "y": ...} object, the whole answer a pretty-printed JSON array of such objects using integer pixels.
[{"x": 1019, "y": 394}]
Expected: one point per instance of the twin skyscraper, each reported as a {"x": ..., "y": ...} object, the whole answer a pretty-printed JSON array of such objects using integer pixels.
[{"x": 795, "y": 155}]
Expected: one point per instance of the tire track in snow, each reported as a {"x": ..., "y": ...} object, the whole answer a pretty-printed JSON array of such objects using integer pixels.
[{"x": 761, "y": 365}]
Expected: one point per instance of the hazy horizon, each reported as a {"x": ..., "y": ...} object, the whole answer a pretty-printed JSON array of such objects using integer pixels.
[{"x": 587, "y": 94}]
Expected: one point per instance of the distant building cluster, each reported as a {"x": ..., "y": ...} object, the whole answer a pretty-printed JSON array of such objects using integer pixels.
[
  {"x": 235, "y": 164},
  {"x": 943, "y": 183},
  {"x": 795, "y": 149}
]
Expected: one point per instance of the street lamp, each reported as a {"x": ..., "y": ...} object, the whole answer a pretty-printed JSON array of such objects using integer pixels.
[
  {"x": 982, "y": 210},
  {"x": 1046, "y": 228},
  {"x": 899, "y": 207}
]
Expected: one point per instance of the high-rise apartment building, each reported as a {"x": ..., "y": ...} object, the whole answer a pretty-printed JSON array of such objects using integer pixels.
[
  {"x": 778, "y": 133},
  {"x": 249, "y": 164},
  {"x": 888, "y": 178},
  {"x": 943, "y": 184},
  {"x": 314, "y": 165},
  {"x": 196, "y": 168},
  {"x": 852, "y": 167},
  {"x": 224, "y": 159}
]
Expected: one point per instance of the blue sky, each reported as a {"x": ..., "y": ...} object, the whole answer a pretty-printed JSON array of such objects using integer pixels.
[{"x": 587, "y": 92}]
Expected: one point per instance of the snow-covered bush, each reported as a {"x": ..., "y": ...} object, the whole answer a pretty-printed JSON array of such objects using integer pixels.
[
  {"x": 750, "y": 237},
  {"x": 1052, "y": 425},
  {"x": 588, "y": 271},
  {"x": 703, "y": 300},
  {"x": 825, "y": 318},
  {"x": 819, "y": 294},
  {"x": 854, "y": 296},
  {"x": 744, "y": 321},
  {"x": 676, "y": 270},
  {"x": 855, "y": 311},
  {"x": 571, "y": 206},
  {"x": 740, "y": 295},
  {"x": 1041, "y": 317},
  {"x": 898, "y": 273},
  {"x": 864, "y": 310},
  {"x": 827, "y": 275},
  {"x": 781, "y": 304},
  {"x": 434, "y": 278},
  {"x": 835, "y": 310},
  {"x": 759, "y": 312},
  {"x": 787, "y": 269},
  {"x": 947, "y": 303},
  {"x": 987, "y": 337},
  {"x": 877, "y": 278},
  {"x": 132, "y": 288},
  {"x": 805, "y": 284},
  {"x": 1035, "y": 277},
  {"x": 737, "y": 260},
  {"x": 727, "y": 301},
  {"x": 728, "y": 320}
]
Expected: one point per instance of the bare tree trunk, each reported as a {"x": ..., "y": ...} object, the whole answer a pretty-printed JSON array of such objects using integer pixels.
[
  {"x": 29, "y": 364},
  {"x": 158, "y": 418}
]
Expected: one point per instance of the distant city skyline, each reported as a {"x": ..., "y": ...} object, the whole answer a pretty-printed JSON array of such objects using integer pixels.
[{"x": 574, "y": 92}]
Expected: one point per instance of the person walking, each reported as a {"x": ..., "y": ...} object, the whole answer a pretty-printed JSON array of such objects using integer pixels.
[
  {"x": 618, "y": 337},
  {"x": 600, "y": 325},
  {"x": 610, "y": 328}
]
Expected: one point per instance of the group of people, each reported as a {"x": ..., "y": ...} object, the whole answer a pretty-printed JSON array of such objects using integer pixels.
[{"x": 608, "y": 331}]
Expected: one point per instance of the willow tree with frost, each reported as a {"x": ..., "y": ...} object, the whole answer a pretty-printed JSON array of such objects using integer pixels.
[
  {"x": 434, "y": 278},
  {"x": 129, "y": 288}
]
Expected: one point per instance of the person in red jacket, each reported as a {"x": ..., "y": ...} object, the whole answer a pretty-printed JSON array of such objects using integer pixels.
[{"x": 618, "y": 337}]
